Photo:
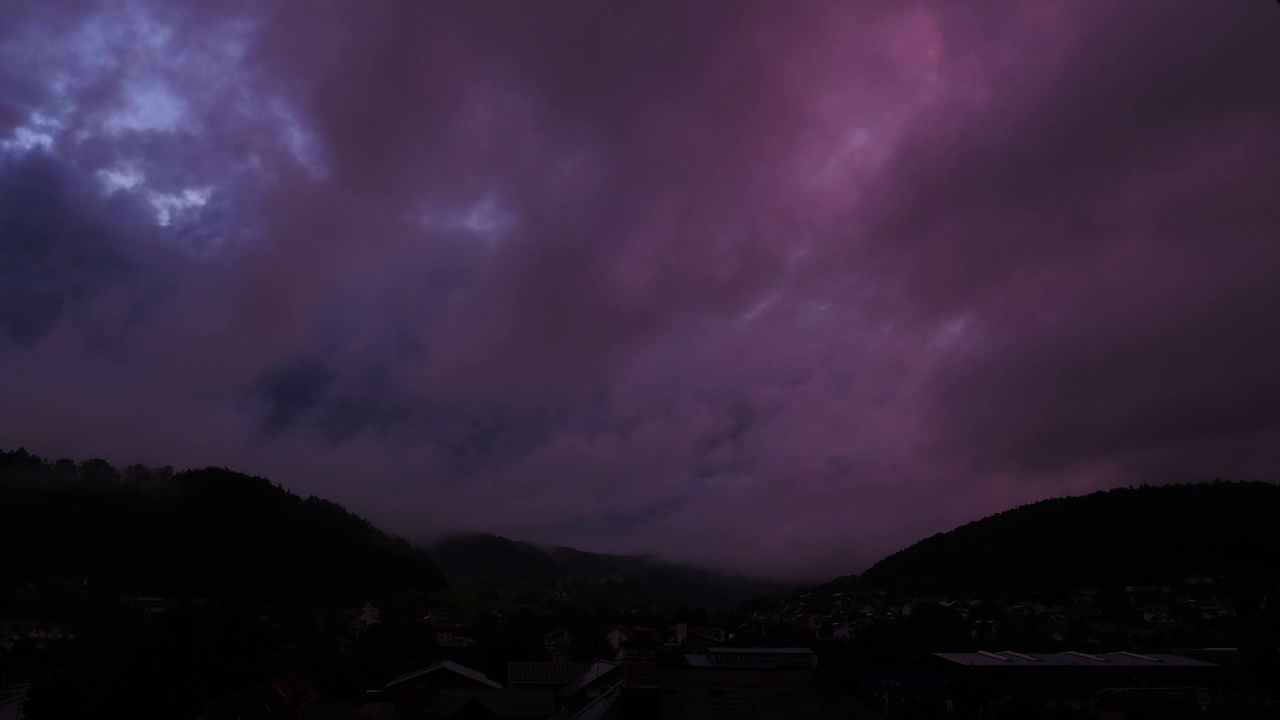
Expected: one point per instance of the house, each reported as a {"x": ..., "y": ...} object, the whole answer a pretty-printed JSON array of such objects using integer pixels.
[
  {"x": 617, "y": 636},
  {"x": 639, "y": 657},
  {"x": 152, "y": 605},
  {"x": 411, "y": 694},
  {"x": 1212, "y": 611},
  {"x": 921, "y": 690},
  {"x": 542, "y": 674},
  {"x": 580, "y": 690},
  {"x": 981, "y": 680},
  {"x": 453, "y": 637},
  {"x": 509, "y": 704},
  {"x": 984, "y": 628},
  {"x": 1020, "y": 610},
  {"x": 591, "y": 692},
  {"x": 285, "y": 697},
  {"x": 745, "y": 683},
  {"x": 679, "y": 632},
  {"x": 557, "y": 639},
  {"x": 1085, "y": 595},
  {"x": 752, "y": 657},
  {"x": 436, "y": 617},
  {"x": 843, "y": 632},
  {"x": 707, "y": 634}
]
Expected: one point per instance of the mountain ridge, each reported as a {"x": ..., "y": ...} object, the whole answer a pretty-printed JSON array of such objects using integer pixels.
[
  {"x": 1126, "y": 535},
  {"x": 197, "y": 533},
  {"x": 521, "y": 567}
]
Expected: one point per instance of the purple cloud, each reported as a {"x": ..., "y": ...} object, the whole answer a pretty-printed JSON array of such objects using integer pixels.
[{"x": 771, "y": 287}]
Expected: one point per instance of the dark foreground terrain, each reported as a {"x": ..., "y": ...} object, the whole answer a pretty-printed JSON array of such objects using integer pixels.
[{"x": 150, "y": 593}]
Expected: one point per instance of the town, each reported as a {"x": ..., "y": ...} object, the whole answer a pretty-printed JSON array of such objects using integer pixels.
[{"x": 820, "y": 653}]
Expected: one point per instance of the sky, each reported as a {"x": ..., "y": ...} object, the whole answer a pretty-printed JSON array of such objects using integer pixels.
[{"x": 773, "y": 287}]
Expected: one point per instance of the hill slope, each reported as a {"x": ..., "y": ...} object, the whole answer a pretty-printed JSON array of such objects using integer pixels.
[
  {"x": 1145, "y": 535},
  {"x": 200, "y": 533},
  {"x": 520, "y": 567}
]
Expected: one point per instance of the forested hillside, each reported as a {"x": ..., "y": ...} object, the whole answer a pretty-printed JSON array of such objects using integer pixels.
[
  {"x": 1127, "y": 536},
  {"x": 209, "y": 533}
]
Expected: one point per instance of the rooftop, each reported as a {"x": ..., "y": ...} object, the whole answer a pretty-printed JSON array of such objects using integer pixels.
[
  {"x": 751, "y": 657},
  {"x": 762, "y": 650},
  {"x": 702, "y": 660},
  {"x": 496, "y": 703},
  {"x": 596, "y": 670},
  {"x": 449, "y": 666},
  {"x": 542, "y": 673},
  {"x": 1069, "y": 658},
  {"x": 261, "y": 702},
  {"x": 772, "y": 694}
]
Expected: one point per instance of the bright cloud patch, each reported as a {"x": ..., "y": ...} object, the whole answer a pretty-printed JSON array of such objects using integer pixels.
[
  {"x": 123, "y": 178},
  {"x": 25, "y": 139},
  {"x": 486, "y": 219},
  {"x": 167, "y": 205}
]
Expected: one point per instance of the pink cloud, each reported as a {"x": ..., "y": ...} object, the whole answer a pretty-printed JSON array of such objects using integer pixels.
[{"x": 773, "y": 288}]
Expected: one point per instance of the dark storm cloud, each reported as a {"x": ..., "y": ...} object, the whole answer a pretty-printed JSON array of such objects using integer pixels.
[
  {"x": 63, "y": 247},
  {"x": 1116, "y": 229},
  {"x": 763, "y": 285},
  {"x": 293, "y": 392}
]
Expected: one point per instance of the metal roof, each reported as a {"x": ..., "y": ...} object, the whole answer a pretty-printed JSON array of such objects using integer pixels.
[
  {"x": 497, "y": 703},
  {"x": 596, "y": 670},
  {"x": 542, "y": 673},
  {"x": 768, "y": 694},
  {"x": 447, "y": 704},
  {"x": 750, "y": 657},
  {"x": 1070, "y": 658},
  {"x": 762, "y": 650},
  {"x": 452, "y": 667},
  {"x": 703, "y": 660},
  {"x": 523, "y": 702}
]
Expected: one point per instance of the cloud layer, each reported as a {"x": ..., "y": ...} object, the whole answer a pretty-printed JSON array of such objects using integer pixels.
[{"x": 767, "y": 286}]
